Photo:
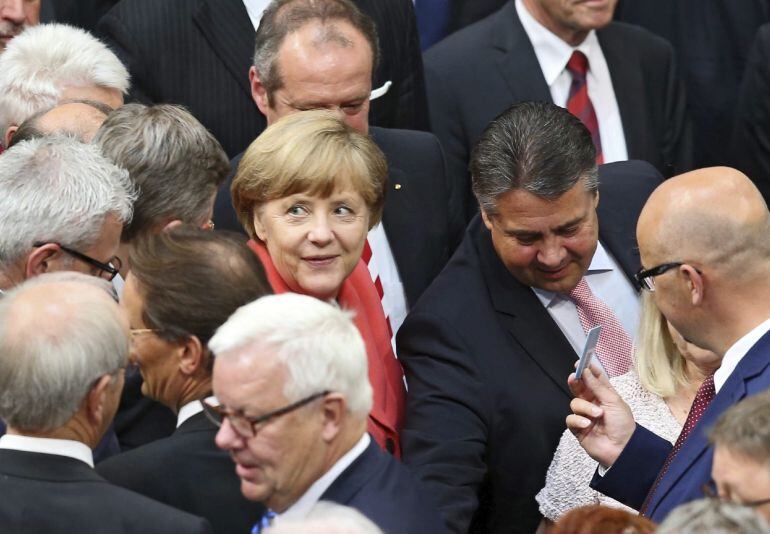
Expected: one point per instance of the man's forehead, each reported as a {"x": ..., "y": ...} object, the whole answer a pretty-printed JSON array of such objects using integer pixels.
[{"x": 242, "y": 373}]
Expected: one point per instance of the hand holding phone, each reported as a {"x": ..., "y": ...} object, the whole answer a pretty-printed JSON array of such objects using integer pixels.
[{"x": 588, "y": 350}]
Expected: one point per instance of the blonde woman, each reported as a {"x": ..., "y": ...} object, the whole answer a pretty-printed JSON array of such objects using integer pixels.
[{"x": 660, "y": 390}]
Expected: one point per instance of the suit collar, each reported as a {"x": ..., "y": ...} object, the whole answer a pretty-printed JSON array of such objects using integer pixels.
[
  {"x": 515, "y": 55},
  {"x": 521, "y": 313},
  {"x": 360, "y": 472},
  {"x": 756, "y": 361},
  {"x": 196, "y": 423},
  {"x": 226, "y": 26},
  {"x": 40, "y": 466}
]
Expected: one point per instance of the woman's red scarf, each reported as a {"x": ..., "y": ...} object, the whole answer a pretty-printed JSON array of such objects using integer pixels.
[{"x": 385, "y": 374}]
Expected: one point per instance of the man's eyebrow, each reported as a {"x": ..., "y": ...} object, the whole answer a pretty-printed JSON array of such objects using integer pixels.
[
  {"x": 573, "y": 222},
  {"x": 521, "y": 234}
]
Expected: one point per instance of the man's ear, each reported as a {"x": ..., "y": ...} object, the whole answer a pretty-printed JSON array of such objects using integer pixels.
[
  {"x": 191, "y": 354},
  {"x": 487, "y": 220},
  {"x": 258, "y": 91},
  {"x": 334, "y": 408},
  {"x": 596, "y": 199},
  {"x": 695, "y": 283},
  {"x": 97, "y": 399},
  {"x": 39, "y": 260},
  {"x": 9, "y": 135}
]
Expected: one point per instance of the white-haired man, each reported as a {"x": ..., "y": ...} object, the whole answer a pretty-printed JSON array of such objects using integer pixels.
[
  {"x": 52, "y": 62},
  {"x": 291, "y": 378},
  {"x": 15, "y": 15},
  {"x": 63, "y": 348},
  {"x": 64, "y": 206}
]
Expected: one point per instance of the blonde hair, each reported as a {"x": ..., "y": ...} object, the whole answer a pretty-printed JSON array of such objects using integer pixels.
[
  {"x": 658, "y": 363},
  {"x": 310, "y": 152}
]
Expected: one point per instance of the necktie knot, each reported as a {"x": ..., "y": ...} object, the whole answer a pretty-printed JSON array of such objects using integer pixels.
[
  {"x": 578, "y": 64},
  {"x": 581, "y": 292}
]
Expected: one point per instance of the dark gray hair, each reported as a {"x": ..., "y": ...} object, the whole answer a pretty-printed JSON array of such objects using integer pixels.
[
  {"x": 54, "y": 345},
  {"x": 745, "y": 428},
  {"x": 174, "y": 161},
  {"x": 283, "y": 17},
  {"x": 535, "y": 146}
]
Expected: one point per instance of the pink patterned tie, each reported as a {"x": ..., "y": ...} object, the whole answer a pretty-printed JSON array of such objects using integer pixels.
[
  {"x": 703, "y": 398},
  {"x": 578, "y": 102},
  {"x": 614, "y": 348}
]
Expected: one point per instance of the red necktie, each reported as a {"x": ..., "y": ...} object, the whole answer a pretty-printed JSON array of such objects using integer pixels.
[
  {"x": 614, "y": 348},
  {"x": 702, "y": 399},
  {"x": 366, "y": 255},
  {"x": 579, "y": 104}
]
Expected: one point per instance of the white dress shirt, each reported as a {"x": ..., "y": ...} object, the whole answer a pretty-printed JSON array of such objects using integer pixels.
[
  {"x": 60, "y": 447},
  {"x": 610, "y": 285},
  {"x": 304, "y": 504},
  {"x": 191, "y": 408},
  {"x": 553, "y": 54},
  {"x": 255, "y": 8},
  {"x": 735, "y": 354}
]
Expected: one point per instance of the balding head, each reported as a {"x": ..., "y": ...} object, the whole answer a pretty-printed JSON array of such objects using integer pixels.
[
  {"x": 715, "y": 223},
  {"x": 78, "y": 118},
  {"x": 714, "y": 216},
  {"x": 59, "y": 334}
]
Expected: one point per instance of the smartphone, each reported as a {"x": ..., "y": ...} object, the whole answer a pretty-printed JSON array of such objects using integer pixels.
[{"x": 588, "y": 350}]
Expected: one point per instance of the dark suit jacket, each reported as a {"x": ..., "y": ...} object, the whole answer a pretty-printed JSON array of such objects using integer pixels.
[
  {"x": 421, "y": 226},
  {"x": 478, "y": 72},
  {"x": 187, "y": 471},
  {"x": 383, "y": 490},
  {"x": 81, "y": 13},
  {"x": 47, "y": 493},
  {"x": 635, "y": 470},
  {"x": 751, "y": 137},
  {"x": 487, "y": 371},
  {"x": 198, "y": 53}
]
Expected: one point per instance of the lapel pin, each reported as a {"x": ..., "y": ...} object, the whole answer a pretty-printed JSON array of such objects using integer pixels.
[{"x": 397, "y": 186}]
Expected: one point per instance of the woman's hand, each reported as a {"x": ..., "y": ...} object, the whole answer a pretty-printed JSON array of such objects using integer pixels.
[{"x": 601, "y": 421}]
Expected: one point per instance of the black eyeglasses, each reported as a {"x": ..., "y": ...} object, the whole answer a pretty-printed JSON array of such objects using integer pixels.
[
  {"x": 108, "y": 271},
  {"x": 646, "y": 278},
  {"x": 710, "y": 491},
  {"x": 249, "y": 426}
]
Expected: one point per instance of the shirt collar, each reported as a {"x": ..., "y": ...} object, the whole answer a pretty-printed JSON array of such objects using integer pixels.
[
  {"x": 191, "y": 408},
  {"x": 304, "y": 504},
  {"x": 600, "y": 263},
  {"x": 735, "y": 354},
  {"x": 552, "y": 53},
  {"x": 61, "y": 447}
]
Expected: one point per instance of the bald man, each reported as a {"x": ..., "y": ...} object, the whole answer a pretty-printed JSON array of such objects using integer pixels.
[
  {"x": 706, "y": 258},
  {"x": 80, "y": 118}
]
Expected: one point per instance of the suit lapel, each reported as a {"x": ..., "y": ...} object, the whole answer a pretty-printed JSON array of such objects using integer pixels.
[
  {"x": 226, "y": 26},
  {"x": 628, "y": 85},
  {"x": 352, "y": 479},
  {"x": 522, "y": 314},
  {"x": 516, "y": 59},
  {"x": 733, "y": 390}
]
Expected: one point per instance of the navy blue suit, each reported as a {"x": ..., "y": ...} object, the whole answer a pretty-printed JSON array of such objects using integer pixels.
[
  {"x": 386, "y": 492},
  {"x": 635, "y": 470}
]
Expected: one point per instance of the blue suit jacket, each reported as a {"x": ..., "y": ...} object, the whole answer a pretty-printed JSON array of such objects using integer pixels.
[
  {"x": 634, "y": 472},
  {"x": 382, "y": 489}
]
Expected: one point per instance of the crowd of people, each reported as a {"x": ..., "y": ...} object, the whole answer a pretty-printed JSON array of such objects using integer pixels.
[{"x": 265, "y": 267}]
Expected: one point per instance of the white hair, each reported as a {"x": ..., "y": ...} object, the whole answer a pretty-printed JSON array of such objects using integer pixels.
[
  {"x": 45, "y": 59},
  {"x": 57, "y": 337},
  {"x": 319, "y": 344},
  {"x": 715, "y": 517},
  {"x": 56, "y": 189},
  {"x": 327, "y": 518}
]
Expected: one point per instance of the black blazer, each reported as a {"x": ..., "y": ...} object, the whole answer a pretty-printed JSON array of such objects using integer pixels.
[
  {"x": 421, "y": 226},
  {"x": 47, "y": 494},
  {"x": 386, "y": 492},
  {"x": 487, "y": 371},
  {"x": 478, "y": 72},
  {"x": 187, "y": 471},
  {"x": 198, "y": 53}
]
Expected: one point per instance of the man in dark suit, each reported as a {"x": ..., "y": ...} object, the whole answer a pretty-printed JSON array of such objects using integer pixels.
[
  {"x": 703, "y": 244},
  {"x": 420, "y": 225},
  {"x": 300, "y": 363},
  {"x": 198, "y": 53},
  {"x": 486, "y": 349},
  {"x": 64, "y": 347},
  {"x": 519, "y": 54}
]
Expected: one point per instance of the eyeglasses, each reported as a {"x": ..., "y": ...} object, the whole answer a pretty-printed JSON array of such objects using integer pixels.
[
  {"x": 249, "y": 426},
  {"x": 108, "y": 271},
  {"x": 710, "y": 491},
  {"x": 646, "y": 278}
]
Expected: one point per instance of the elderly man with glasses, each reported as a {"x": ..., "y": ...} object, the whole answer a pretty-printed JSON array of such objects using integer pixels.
[
  {"x": 703, "y": 244},
  {"x": 292, "y": 390}
]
